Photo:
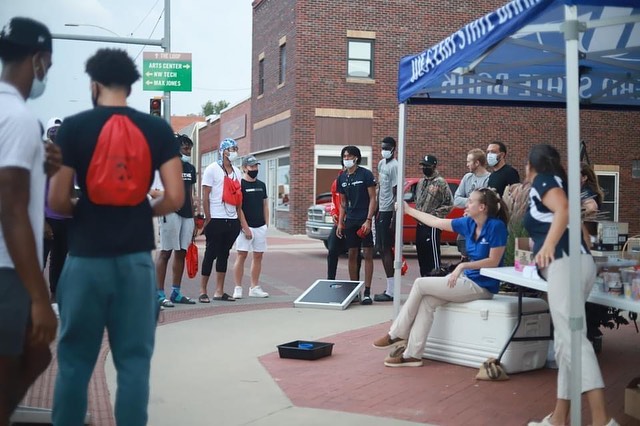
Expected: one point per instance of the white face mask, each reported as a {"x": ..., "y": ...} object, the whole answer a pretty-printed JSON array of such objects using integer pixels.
[
  {"x": 492, "y": 159},
  {"x": 233, "y": 155},
  {"x": 38, "y": 86},
  {"x": 186, "y": 158},
  {"x": 349, "y": 163},
  {"x": 386, "y": 154}
]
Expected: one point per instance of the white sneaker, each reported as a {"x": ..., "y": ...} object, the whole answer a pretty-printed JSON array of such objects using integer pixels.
[
  {"x": 257, "y": 291},
  {"x": 237, "y": 292},
  {"x": 544, "y": 422}
]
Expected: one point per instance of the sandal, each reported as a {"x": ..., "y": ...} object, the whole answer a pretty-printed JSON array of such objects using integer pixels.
[
  {"x": 225, "y": 297},
  {"x": 166, "y": 303},
  {"x": 184, "y": 300},
  {"x": 204, "y": 298}
]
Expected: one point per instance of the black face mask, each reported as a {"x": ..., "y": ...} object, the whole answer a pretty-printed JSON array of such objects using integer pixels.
[
  {"x": 428, "y": 171},
  {"x": 252, "y": 173}
]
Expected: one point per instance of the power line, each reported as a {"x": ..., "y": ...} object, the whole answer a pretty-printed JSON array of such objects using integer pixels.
[
  {"x": 152, "y": 31},
  {"x": 145, "y": 17},
  {"x": 209, "y": 89}
]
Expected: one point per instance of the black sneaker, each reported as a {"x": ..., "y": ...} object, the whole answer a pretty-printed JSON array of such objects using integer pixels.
[
  {"x": 383, "y": 297},
  {"x": 366, "y": 301}
]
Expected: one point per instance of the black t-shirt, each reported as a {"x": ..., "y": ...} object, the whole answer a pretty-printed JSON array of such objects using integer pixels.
[
  {"x": 98, "y": 230},
  {"x": 189, "y": 179},
  {"x": 356, "y": 189},
  {"x": 537, "y": 220},
  {"x": 499, "y": 179},
  {"x": 253, "y": 196}
]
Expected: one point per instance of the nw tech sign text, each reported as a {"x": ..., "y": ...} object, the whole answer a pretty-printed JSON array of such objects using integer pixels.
[{"x": 165, "y": 74}]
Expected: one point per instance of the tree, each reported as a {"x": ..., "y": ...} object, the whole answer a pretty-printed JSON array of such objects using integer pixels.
[{"x": 210, "y": 108}]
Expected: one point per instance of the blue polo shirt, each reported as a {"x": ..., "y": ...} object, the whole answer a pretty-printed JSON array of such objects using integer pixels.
[{"x": 492, "y": 235}]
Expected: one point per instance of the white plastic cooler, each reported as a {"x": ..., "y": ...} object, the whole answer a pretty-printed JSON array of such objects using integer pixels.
[{"x": 469, "y": 333}]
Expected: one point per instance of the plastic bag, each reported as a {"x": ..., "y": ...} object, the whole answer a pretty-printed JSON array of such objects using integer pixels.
[{"x": 191, "y": 260}]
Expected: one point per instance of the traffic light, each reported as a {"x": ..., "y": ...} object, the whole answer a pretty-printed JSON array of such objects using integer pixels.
[{"x": 155, "y": 107}]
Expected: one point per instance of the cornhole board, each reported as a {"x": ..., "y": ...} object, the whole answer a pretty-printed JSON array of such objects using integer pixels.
[{"x": 329, "y": 294}]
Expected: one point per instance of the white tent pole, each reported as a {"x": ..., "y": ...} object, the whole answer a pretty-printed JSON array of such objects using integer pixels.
[
  {"x": 576, "y": 319},
  {"x": 397, "y": 263}
]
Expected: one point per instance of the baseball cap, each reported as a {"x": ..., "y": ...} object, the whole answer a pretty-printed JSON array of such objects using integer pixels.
[
  {"x": 250, "y": 161},
  {"x": 428, "y": 160},
  {"x": 52, "y": 125},
  {"x": 27, "y": 33}
]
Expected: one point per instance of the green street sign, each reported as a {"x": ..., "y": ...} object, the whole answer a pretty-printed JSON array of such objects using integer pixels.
[{"x": 167, "y": 72}]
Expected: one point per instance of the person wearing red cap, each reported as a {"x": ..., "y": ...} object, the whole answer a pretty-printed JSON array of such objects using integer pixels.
[{"x": 27, "y": 322}]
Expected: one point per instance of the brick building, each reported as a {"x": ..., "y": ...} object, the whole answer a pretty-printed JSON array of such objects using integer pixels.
[{"x": 324, "y": 75}]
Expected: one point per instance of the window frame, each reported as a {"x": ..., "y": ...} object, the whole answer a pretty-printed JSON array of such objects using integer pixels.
[
  {"x": 282, "y": 61},
  {"x": 261, "y": 76},
  {"x": 371, "y": 61},
  {"x": 616, "y": 194}
]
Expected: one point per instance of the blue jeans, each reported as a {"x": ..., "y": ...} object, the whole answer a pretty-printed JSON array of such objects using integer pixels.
[{"x": 116, "y": 293}]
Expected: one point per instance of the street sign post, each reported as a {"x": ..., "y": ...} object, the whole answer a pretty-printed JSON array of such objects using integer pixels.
[{"x": 166, "y": 71}]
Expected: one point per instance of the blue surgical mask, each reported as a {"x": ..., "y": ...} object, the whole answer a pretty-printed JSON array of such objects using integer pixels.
[
  {"x": 38, "y": 86},
  {"x": 186, "y": 158},
  {"x": 233, "y": 155},
  {"x": 349, "y": 163},
  {"x": 386, "y": 154}
]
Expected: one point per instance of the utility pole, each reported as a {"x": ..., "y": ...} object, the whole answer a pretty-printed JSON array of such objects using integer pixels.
[
  {"x": 167, "y": 48},
  {"x": 164, "y": 42}
]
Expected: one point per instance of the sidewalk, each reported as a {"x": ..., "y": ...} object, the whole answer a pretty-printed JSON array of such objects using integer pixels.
[{"x": 218, "y": 364}]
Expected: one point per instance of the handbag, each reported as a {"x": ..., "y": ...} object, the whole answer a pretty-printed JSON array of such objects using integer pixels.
[
  {"x": 492, "y": 370},
  {"x": 231, "y": 191},
  {"x": 191, "y": 260}
]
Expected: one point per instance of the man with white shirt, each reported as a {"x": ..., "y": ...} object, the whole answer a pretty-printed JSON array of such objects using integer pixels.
[{"x": 27, "y": 321}]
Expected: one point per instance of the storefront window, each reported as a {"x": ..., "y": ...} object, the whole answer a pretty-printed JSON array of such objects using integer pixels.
[
  {"x": 283, "y": 183},
  {"x": 208, "y": 158}
]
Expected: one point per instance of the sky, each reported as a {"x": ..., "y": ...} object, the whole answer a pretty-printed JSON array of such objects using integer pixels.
[{"x": 216, "y": 32}]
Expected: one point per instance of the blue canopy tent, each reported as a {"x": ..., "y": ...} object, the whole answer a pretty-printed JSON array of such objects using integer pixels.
[{"x": 567, "y": 53}]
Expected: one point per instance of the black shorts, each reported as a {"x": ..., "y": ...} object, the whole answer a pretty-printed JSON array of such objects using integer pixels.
[
  {"x": 15, "y": 313},
  {"x": 385, "y": 231},
  {"x": 351, "y": 237}
]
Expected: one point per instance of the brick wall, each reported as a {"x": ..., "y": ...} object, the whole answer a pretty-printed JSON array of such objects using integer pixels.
[
  {"x": 317, "y": 51},
  {"x": 210, "y": 137},
  {"x": 235, "y": 123}
]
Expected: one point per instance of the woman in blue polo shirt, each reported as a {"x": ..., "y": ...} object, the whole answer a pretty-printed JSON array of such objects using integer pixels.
[
  {"x": 547, "y": 223},
  {"x": 485, "y": 230}
]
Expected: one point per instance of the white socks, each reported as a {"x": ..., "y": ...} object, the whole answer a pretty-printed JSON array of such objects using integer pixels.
[{"x": 390, "y": 282}]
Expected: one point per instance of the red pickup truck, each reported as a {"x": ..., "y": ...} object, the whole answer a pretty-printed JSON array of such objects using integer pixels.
[{"x": 319, "y": 223}]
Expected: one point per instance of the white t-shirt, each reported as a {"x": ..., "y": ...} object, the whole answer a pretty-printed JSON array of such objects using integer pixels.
[
  {"x": 21, "y": 146},
  {"x": 157, "y": 182},
  {"x": 213, "y": 177}
]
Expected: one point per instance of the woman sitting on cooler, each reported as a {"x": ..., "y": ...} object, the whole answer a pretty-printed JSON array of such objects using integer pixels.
[{"x": 485, "y": 229}]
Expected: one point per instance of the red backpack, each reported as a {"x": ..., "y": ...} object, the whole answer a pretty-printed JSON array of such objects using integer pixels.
[{"x": 120, "y": 169}]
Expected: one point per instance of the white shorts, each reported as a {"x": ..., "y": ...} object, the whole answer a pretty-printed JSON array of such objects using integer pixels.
[
  {"x": 258, "y": 243},
  {"x": 176, "y": 232}
]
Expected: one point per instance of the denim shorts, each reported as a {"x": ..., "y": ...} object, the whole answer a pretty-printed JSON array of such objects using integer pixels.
[{"x": 15, "y": 313}]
